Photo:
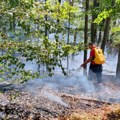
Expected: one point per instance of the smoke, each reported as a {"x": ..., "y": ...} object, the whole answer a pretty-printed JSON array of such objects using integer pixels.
[
  {"x": 73, "y": 83},
  {"x": 52, "y": 97},
  {"x": 76, "y": 82}
]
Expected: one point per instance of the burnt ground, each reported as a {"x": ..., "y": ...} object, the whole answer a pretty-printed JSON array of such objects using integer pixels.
[
  {"x": 25, "y": 106},
  {"x": 45, "y": 103}
]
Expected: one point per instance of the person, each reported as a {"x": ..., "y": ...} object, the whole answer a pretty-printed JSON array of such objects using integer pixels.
[{"x": 95, "y": 70}]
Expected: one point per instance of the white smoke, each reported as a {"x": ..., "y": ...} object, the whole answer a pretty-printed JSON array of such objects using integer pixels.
[{"x": 52, "y": 97}]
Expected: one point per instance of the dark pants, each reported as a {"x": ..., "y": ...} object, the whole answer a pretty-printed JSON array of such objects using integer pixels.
[{"x": 95, "y": 71}]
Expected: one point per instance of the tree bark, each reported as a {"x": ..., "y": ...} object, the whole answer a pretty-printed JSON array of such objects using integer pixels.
[
  {"x": 68, "y": 39},
  {"x": 14, "y": 25},
  {"x": 86, "y": 31},
  {"x": 106, "y": 32},
  {"x": 93, "y": 25},
  {"x": 75, "y": 36},
  {"x": 100, "y": 35},
  {"x": 58, "y": 9},
  {"x": 74, "y": 43},
  {"x": 59, "y": 1},
  {"x": 106, "y": 29},
  {"x": 11, "y": 25},
  {"x": 118, "y": 66},
  {"x": 46, "y": 35},
  {"x": 71, "y": 3},
  {"x": 45, "y": 22}
]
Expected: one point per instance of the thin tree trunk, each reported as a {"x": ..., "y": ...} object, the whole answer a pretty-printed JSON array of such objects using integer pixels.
[
  {"x": 45, "y": 23},
  {"x": 86, "y": 31},
  {"x": 11, "y": 25},
  {"x": 106, "y": 29},
  {"x": 75, "y": 36},
  {"x": 59, "y": 1},
  {"x": 58, "y": 9},
  {"x": 93, "y": 25},
  {"x": 68, "y": 29},
  {"x": 100, "y": 35},
  {"x": 118, "y": 66},
  {"x": 45, "y": 26},
  {"x": 58, "y": 22},
  {"x": 46, "y": 35},
  {"x": 106, "y": 32},
  {"x": 14, "y": 25},
  {"x": 71, "y": 2},
  {"x": 68, "y": 41}
]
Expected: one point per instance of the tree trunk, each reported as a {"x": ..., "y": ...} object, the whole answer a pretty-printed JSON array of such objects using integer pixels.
[
  {"x": 45, "y": 26},
  {"x": 11, "y": 24},
  {"x": 59, "y": 1},
  {"x": 68, "y": 41},
  {"x": 14, "y": 25},
  {"x": 75, "y": 36},
  {"x": 86, "y": 31},
  {"x": 74, "y": 43},
  {"x": 106, "y": 29},
  {"x": 71, "y": 3},
  {"x": 118, "y": 66},
  {"x": 59, "y": 10},
  {"x": 46, "y": 35},
  {"x": 100, "y": 35},
  {"x": 106, "y": 32},
  {"x": 93, "y": 25},
  {"x": 45, "y": 22}
]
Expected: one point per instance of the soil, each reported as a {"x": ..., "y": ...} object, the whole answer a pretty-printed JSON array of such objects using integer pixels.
[{"x": 47, "y": 104}]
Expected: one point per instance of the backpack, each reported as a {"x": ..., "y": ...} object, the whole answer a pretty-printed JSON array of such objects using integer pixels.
[{"x": 99, "y": 56}]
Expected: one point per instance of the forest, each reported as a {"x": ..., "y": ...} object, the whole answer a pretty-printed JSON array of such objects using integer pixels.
[{"x": 42, "y": 45}]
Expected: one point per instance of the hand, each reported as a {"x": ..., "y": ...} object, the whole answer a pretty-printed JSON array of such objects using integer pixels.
[{"x": 82, "y": 65}]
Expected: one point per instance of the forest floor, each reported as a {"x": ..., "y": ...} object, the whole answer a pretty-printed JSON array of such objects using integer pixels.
[{"x": 47, "y": 104}]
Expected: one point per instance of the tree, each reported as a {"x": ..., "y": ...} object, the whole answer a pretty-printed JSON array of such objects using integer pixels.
[
  {"x": 94, "y": 25},
  {"x": 118, "y": 65},
  {"x": 46, "y": 31},
  {"x": 106, "y": 33},
  {"x": 28, "y": 14},
  {"x": 110, "y": 12},
  {"x": 86, "y": 29}
]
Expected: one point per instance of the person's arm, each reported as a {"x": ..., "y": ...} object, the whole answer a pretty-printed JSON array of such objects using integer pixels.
[{"x": 87, "y": 61}]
